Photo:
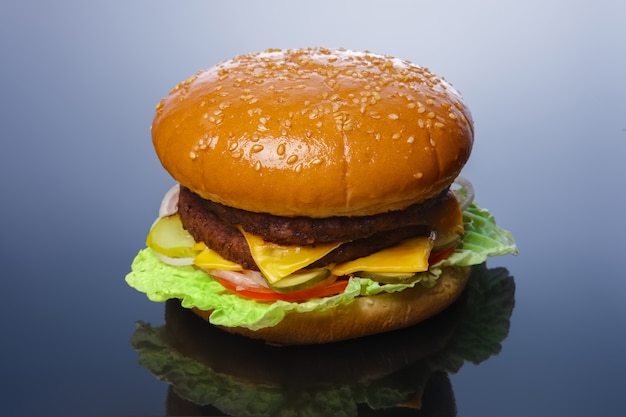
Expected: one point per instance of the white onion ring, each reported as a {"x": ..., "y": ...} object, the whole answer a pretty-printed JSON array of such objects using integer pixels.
[
  {"x": 169, "y": 204},
  {"x": 174, "y": 261},
  {"x": 464, "y": 192},
  {"x": 243, "y": 279}
]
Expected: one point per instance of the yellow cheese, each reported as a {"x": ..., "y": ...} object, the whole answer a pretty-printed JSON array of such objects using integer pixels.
[
  {"x": 277, "y": 261},
  {"x": 209, "y": 259},
  {"x": 410, "y": 255}
]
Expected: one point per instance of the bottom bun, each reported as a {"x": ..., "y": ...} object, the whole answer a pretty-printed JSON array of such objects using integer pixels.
[{"x": 364, "y": 316}]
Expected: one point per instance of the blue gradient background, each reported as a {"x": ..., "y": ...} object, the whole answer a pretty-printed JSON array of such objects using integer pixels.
[{"x": 80, "y": 184}]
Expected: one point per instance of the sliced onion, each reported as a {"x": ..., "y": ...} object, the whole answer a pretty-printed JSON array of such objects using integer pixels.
[
  {"x": 464, "y": 192},
  {"x": 174, "y": 261},
  {"x": 243, "y": 279},
  {"x": 169, "y": 204}
]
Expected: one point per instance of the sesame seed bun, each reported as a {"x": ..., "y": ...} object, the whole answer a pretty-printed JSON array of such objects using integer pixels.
[
  {"x": 314, "y": 132},
  {"x": 364, "y": 316}
]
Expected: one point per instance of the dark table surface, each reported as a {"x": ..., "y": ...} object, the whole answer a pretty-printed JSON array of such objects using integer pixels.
[{"x": 81, "y": 185}]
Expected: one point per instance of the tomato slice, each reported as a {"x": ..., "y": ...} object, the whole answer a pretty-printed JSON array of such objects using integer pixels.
[
  {"x": 266, "y": 294},
  {"x": 441, "y": 255}
]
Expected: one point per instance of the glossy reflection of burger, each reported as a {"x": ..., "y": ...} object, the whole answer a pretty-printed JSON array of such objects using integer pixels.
[
  {"x": 398, "y": 373},
  {"x": 315, "y": 198}
]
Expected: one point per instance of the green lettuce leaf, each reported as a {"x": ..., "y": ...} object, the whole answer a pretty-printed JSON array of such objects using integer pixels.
[{"x": 195, "y": 288}]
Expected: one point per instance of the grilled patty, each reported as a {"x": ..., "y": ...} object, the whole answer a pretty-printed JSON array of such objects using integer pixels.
[{"x": 309, "y": 231}]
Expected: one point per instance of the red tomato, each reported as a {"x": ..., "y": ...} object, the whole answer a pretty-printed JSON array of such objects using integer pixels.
[
  {"x": 441, "y": 255},
  {"x": 266, "y": 294}
]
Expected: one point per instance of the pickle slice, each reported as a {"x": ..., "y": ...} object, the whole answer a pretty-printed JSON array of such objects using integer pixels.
[
  {"x": 169, "y": 238},
  {"x": 388, "y": 277},
  {"x": 444, "y": 241},
  {"x": 300, "y": 280}
]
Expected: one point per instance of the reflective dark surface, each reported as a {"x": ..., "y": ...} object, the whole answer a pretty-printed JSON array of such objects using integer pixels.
[{"x": 81, "y": 184}]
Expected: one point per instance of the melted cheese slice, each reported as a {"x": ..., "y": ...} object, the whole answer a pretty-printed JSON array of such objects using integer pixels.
[
  {"x": 410, "y": 255},
  {"x": 277, "y": 261},
  {"x": 210, "y": 259}
]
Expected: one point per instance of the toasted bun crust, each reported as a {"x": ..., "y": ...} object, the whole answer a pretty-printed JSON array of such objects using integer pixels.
[
  {"x": 314, "y": 132},
  {"x": 364, "y": 316}
]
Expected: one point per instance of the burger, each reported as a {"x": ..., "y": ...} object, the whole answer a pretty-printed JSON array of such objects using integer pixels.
[
  {"x": 403, "y": 372},
  {"x": 317, "y": 196}
]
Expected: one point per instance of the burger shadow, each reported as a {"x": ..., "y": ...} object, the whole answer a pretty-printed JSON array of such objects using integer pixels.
[{"x": 211, "y": 372}]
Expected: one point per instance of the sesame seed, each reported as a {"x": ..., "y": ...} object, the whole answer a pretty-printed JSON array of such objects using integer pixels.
[
  {"x": 193, "y": 155},
  {"x": 420, "y": 123},
  {"x": 452, "y": 116},
  {"x": 430, "y": 115},
  {"x": 280, "y": 150},
  {"x": 392, "y": 116},
  {"x": 237, "y": 154},
  {"x": 292, "y": 159},
  {"x": 316, "y": 161},
  {"x": 410, "y": 139},
  {"x": 257, "y": 166},
  {"x": 421, "y": 110},
  {"x": 256, "y": 148},
  {"x": 395, "y": 136}
]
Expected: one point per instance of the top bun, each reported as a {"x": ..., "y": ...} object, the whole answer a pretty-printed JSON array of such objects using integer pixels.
[{"x": 314, "y": 132}]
